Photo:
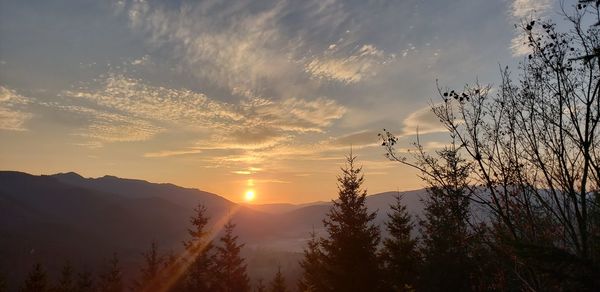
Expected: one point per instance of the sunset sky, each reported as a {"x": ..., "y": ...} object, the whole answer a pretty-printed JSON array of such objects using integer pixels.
[{"x": 238, "y": 96}]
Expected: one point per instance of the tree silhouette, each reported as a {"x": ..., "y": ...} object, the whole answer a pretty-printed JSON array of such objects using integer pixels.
[
  {"x": 400, "y": 256},
  {"x": 85, "y": 281},
  {"x": 313, "y": 272},
  {"x": 3, "y": 284},
  {"x": 36, "y": 281},
  {"x": 350, "y": 251},
  {"x": 198, "y": 276},
  {"x": 111, "y": 280},
  {"x": 447, "y": 256},
  {"x": 535, "y": 152},
  {"x": 278, "y": 282},
  {"x": 151, "y": 270},
  {"x": 230, "y": 270},
  {"x": 66, "y": 281},
  {"x": 260, "y": 286}
]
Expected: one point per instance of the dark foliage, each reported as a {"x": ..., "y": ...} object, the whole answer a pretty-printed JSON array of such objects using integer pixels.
[{"x": 229, "y": 269}]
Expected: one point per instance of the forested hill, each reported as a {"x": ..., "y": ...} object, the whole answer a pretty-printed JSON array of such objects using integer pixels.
[{"x": 84, "y": 220}]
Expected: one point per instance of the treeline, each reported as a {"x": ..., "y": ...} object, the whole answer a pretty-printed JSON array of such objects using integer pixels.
[
  {"x": 513, "y": 199},
  {"x": 204, "y": 265}
]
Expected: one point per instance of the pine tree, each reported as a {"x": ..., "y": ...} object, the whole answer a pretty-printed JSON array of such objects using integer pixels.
[
  {"x": 112, "y": 279},
  {"x": 260, "y": 286},
  {"x": 66, "y": 281},
  {"x": 85, "y": 281},
  {"x": 230, "y": 270},
  {"x": 351, "y": 250},
  {"x": 313, "y": 273},
  {"x": 198, "y": 277},
  {"x": 36, "y": 280},
  {"x": 400, "y": 256},
  {"x": 151, "y": 270},
  {"x": 278, "y": 283},
  {"x": 3, "y": 284},
  {"x": 448, "y": 264}
]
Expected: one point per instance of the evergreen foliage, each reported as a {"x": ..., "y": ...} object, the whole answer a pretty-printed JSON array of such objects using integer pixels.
[
  {"x": 85, "y": 281},
  {"x": 278, "y": 282},
  {"x": 445, "y": 230},
  {"x": 199, "y": 277},
  {"x": 66, "y": 281},
  {"x": 400, "y": 255},
  {"x": 150, "y": 272},
  {"x": 111, "y": 279},
  {"x": 313, "y": 273},
  {"x": 260, "y": 286},
  {"x": 36, "y": 281},
  {"x": 229, "y": 269}
]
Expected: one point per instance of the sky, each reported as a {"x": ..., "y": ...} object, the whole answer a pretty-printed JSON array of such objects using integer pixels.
[{"x": 233, "y": 95}]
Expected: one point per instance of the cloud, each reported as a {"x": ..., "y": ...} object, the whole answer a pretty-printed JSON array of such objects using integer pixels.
[
  {"x": 12, "y": 110},
  {"x": 232, "y": 47},
  {"x": 357, "y": 139},
  {"x": 424, "y": 121},
  {"x": 169, "y": 153},
  {"x": 128, "y": 109},
  {"x": 359, "y": 65},
  {"x": 523, "y": 10},
  {"x": 109, "y": 127}
]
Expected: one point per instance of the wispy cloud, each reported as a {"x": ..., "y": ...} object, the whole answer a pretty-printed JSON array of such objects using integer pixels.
[
  {"x": 12, "y": 110},
  {"x": 127, "y": 109},
  {"x": 524, "y": 10},
  {"x": 423, "y": 121},
  {"x": 169, "y": 153},
  {"x": 359, "y": 65}
]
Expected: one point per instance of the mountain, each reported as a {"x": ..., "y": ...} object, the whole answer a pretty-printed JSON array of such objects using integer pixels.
[{"x": 84, "y": 220}]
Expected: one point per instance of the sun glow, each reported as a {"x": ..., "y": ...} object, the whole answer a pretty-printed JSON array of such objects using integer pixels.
[{"x": 249, "y": 196}]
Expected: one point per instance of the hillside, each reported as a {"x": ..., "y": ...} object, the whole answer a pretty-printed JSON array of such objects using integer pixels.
[{"x": 59, "y": 217}]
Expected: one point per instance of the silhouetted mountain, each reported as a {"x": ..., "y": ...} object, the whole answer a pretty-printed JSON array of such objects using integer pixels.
[
  {"x": 133, "y": 188},
  {"x": 66, "y": 216}
]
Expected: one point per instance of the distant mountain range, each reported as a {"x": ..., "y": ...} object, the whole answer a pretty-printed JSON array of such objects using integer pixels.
[{"x": 52, "y": 218}]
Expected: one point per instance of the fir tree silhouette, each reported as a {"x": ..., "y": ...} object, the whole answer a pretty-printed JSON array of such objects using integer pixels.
[
  {"x": 313, "y": 272},
  {"x": 198, "y": 277},
  {"x": 36, "y": 281},
  {"x": 350, "y": 251},
  {"x": 111, "y": 280},
  {"x": 150, "y": 271},
  {"x": 447, "y": 240},
  {"x": 230, "y": 270},
  {"x": 260, "y": 286},
  {"x": 85, "y": 281},
  {"x": 66, "y": 280},
  {"x": 400, "y": 256},
  {"x": 278, "y": 282}
]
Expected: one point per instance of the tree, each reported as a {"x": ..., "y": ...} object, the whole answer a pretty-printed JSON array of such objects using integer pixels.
[
  {"x": 260, "y": 286},
  {"x": 198, "y": 275},
  {"x": 85, "y": 281},
  {"x": 111, "y": 280},
  {"x": 313, "y": 273},
  {"x": 66, "y": 281},
  {"x": 278, "y": 282},
  {"x": 350, "y": 251},
  {"x": 150, "y": 272},
  {"x": 447, "y": 239},
  {"x": 230, "y": 270},
  {"x": 36, "y": 281},
  {"x": 3, "y": 284},
  {"x": 400, "y": 256},
  {"x": 535, "y": 149}
]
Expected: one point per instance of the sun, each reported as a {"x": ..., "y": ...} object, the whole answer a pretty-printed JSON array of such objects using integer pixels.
[{"x": 249, "y": 196}]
